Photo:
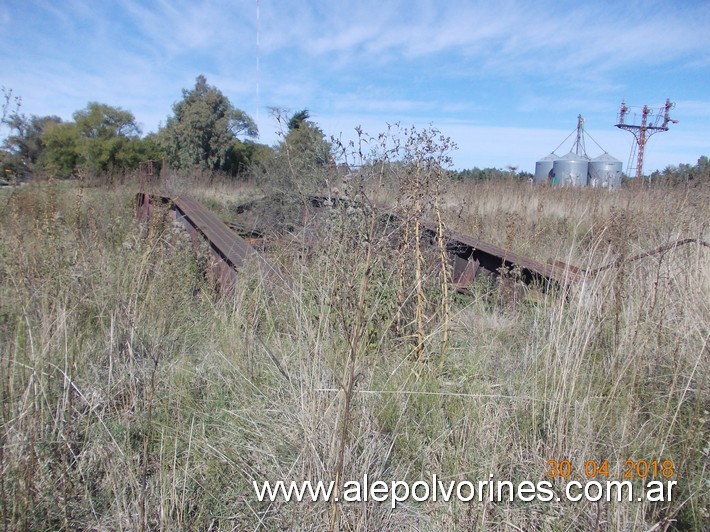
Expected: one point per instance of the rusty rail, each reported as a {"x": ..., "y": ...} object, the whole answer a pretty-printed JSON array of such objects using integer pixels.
[
  {"x": 229, "y": 250},
  {"x": 470, "y": 253},
  {"x": 467, "y": 254},
  {"x": 654, "y": 251}
]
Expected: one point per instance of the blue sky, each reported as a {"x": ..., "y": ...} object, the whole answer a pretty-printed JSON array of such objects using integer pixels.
[{"x": 504, "y": 79}]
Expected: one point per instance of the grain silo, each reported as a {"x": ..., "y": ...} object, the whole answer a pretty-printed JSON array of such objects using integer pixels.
[
  {"x": 605, "y": 171},
  {"x": 543, "y": 167},
  {"x": 576, "y": 168},
  {"x": 570, "y": 170}
]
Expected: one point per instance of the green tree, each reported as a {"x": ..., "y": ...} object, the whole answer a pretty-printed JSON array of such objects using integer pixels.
[
  {"x": 60, "y": 153},
  {"x": 137, "y": 150},
  {"x": 301, "y": 164},
  {"x": 248, "y": 157},
  {"x": 101, "y": 139},
  {"x": 305, "y": 142},
  {"x": 298, "y": 118},
  {"x": 101, "y": 121},
  {"x": 106, "y": 137},
  {"x": 203, "y": 129},
  {"x": 23, "y": 147},
  {"x": 26, "y": 142}
]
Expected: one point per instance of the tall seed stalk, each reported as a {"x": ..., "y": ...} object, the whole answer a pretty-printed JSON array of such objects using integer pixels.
[
  {"x": 420, "y": 332},
  {"x": 444, "y": 269}
]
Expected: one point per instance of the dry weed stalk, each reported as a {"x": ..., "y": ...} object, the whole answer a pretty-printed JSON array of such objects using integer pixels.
[
  {"x": 425, "y": 158},
  {"x": 358, "y": 226},
  {"x": 444, "y": 267},
  {"x": 356, "y": 343}
]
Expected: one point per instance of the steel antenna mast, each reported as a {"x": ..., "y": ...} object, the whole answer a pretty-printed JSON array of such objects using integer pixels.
[{"x": 257, "y": 63}]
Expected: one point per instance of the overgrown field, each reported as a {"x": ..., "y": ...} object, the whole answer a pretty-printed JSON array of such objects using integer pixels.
[{"x": 134, "y": 396}]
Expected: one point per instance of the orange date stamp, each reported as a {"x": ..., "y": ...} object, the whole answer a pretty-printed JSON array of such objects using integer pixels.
[{"x": 600, "y": 468}]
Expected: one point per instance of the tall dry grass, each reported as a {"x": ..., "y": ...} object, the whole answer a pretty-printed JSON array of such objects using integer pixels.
[{"x": 135, "y": 397}]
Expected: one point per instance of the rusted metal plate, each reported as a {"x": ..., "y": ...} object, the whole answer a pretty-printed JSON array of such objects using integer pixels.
[
  {"x": 464, "y": 270},
  {"x": 230, "y": 251},
  {"x": 145, "y": 205},
  {"x": 466, "y": 253},
  {"x": 494, "y": 258},
  {"x": 230, "y": 246}
]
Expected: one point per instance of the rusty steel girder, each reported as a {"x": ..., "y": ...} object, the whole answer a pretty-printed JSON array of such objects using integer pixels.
[
  {"x": 467, "y": 255},
  {"x": 229, "y": 251}
]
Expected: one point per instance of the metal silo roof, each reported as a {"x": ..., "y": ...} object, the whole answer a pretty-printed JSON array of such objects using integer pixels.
[
  {"x": 606, "y": 158},
  {"x": 571, "y": 156}
]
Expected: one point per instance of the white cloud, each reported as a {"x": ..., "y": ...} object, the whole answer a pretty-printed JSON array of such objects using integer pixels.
[{"x": 499, "y": 75}]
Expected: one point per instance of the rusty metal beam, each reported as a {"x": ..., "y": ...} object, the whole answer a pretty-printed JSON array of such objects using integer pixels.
[
  {"x": 466, "y": 253},
  {"x": 229, "y": 249},
  {"x": 469, "y": 254}
]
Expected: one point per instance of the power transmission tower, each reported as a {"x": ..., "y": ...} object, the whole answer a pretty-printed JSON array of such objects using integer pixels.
[{"x": 652, "y": 121}]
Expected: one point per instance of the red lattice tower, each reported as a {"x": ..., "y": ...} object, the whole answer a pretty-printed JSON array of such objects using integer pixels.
[{"x": 652, "y": 121}]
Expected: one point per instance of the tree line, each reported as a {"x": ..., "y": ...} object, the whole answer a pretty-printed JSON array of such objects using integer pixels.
[
  {"x": 684, "y": 174},
  {"x": 205, "y": 131}
]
